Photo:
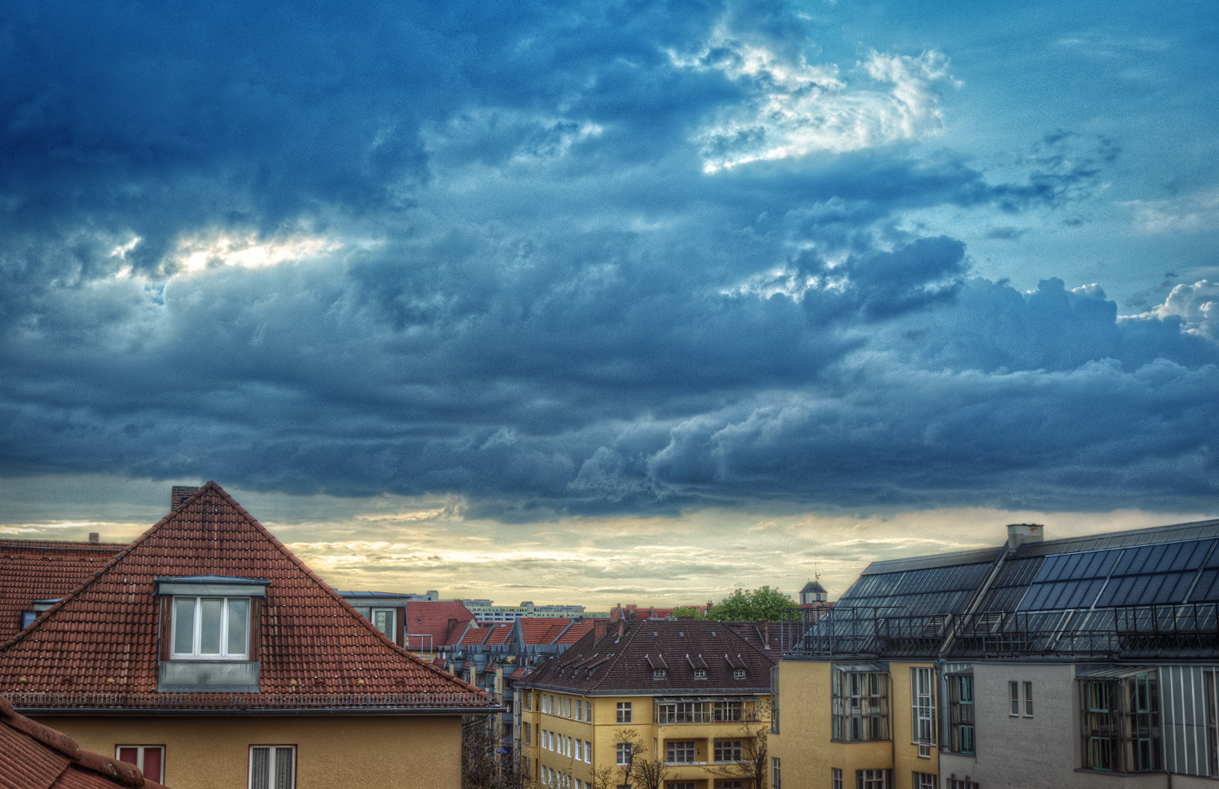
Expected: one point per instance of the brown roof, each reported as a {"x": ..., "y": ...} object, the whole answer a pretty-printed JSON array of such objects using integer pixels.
[
  {"x": 435, "y": 623},
  {"x": 40, "y": 570},
  {"x": 33, "y": 756},
  {"x": 626, "y": 663},
  {"x": 99, "y": 645},
  {"x": 574, "y": 633}
]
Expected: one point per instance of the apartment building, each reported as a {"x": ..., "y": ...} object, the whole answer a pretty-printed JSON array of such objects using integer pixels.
[
  {"x": 648, "y": 703},
  {"x": 206, "y": 648},
  {"x": 1086, "y": 662}
]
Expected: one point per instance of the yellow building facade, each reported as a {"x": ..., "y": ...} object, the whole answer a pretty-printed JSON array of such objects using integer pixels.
[
  {"x": 705, "y": 742},
  {"x": 864, "y": 725},
  {"x": 670, "y": 734}
]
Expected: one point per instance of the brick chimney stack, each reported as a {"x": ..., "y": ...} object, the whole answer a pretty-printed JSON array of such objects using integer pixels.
[
  {"x": 1020, "y": 533},
  {"x": 94, "y": 537},
  {"x": 179, "y": 494}
]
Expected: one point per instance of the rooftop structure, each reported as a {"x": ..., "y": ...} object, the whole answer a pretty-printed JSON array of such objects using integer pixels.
[{"x": 36, "y": 573}]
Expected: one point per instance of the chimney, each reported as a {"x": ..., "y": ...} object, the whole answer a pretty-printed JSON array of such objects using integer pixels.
[
  {"x": 600, "y": 628},
  {"x": 179, "y": 494},
  {"x": 766, "y": 634},
  {"x": 1020, "y": 533},
  {"x": 621, "y": 627},
  {"x": 94, "y": 537}
]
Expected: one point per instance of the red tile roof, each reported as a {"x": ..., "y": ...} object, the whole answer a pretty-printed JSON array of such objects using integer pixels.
[
  {"x": 431, "y": 624},
  {"x": 33, "y": 756},
  {"x": 575, "y": 632},
  {"x": 40, "y": 570},
  {"x": 537, "y": 631},
  {"x": 499, "y": 635},
  {"x": 99, "y": 645}
]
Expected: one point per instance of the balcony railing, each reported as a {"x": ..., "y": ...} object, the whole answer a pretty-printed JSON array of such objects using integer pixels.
[{"x": 1135, "y": 631}]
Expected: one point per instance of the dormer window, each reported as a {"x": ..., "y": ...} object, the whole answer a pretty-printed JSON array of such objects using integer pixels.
[
  {"x": 738, "y": 673},
  {"x": 658, "y": 673},
  {"x": 700, "y": 673},
  {"x": 209, "y": 624}
]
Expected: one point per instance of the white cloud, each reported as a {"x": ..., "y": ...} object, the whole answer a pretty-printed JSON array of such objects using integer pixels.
[
  {"x": 795, "y": 108},
  {"x": 1188, "y": 214},
  {"x": 1197, "y": 306}
]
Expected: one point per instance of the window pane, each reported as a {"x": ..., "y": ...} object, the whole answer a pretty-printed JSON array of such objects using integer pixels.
[
  {"x": 210, "y": 610},
  {"x": 260, "y": 768},
  {"x": 184, "y": 625},
  {"x": 129, "y": 755},
  {"x": 239, "y": 626},
  {"x": 152, "y": 764},
  {"x": 283, "y": 768}
]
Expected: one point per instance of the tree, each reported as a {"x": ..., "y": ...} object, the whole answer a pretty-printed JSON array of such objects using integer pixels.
[
  {"x": 637, "y": 771},
  {"x": 482, "y": 767},
  {"x": 686, "y": 612},
  {"x": 751, "y": 769},
  {"x": 752, "y": 605}
]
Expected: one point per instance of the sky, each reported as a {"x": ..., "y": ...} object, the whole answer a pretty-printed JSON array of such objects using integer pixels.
[{"x": 610, "y": 302}]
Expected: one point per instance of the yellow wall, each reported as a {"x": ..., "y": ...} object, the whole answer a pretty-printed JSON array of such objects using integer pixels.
[
  {"x": 604, "y": 731},
  {"x": 212, "y": 752},
  {"x": 803, "y": 744},
  {"x": 901, "y": 704}
]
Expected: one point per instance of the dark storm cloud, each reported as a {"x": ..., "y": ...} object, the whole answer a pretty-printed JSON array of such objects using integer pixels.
[{"x": 517, "y": 278}]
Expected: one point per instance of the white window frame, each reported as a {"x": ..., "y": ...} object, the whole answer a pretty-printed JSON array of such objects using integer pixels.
[
  {"x": 677, "y": 751},
  {"x": 836, "y": 777},
  {"x": 1028, "y": 699},
  {"x": 588, "y": 752},
  {"x": 197, "y": 629},
  {"x": 139, "y": 758},
  {"x": 733, "y": 749},
  {"x": 922, "y": 691},
  {"x": 272, "y": 765},
  {"x": 393, "y": 621},
  {"x": 623, "y": 753},
  {"x": 624, "y": 712}
]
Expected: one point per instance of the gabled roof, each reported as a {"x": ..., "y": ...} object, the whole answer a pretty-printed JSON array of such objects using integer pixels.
[
  {"x": 40, "y": 570},
  {"x": 575, "y": 632},
  {"x": 34, "y": 756},
  {"x": 431, "y": 624},
  {"x": 627, "y": 663},
  {"x": 499, "y": 635},
  {"x": 100, "y": 643}
]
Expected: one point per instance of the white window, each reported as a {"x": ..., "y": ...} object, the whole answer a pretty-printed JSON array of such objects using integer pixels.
[
  {"x": 775, "y": 783},
  {"x": 272, "y": 766},
  {"x": 728, "y": 750},
  {"x": 579, "y": 710},
  {"x": 679, "y": 752},
  {"x": 211, "y": 627},
  {"x": 1028, "y": 699},
  {"x": 383, "y": 619},
  {"x": 624, "y": 753},
  {"x": 588, "y": 752},
  {"x": 923, "y": 706},
  {"x": 680, "y": 785},
  {"x": 579, "y": 750},
  {"x": 149, "y": 758},
  {"x": 658, "y": 673},
  {"x": 729, "y": 785},
  {"x": 624, "y": 712},
  {"x": 872, "y": 779},
  {"x": 836, "y": 777},
  {"x": 588, "y": 711},
  {"x": 1015, "y": 692},
  {"x": 738, "y": 673},
  {"x": 924, "y": 781},
  {"x": 700, "y": 673}
]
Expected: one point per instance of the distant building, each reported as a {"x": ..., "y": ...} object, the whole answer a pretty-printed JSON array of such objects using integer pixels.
[
  {"x": 633, "y": 611},
  {"x": 1080, "y": 662},
  {"x": 34, "y": 574}
]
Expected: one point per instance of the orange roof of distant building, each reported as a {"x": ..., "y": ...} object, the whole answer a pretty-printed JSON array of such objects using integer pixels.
[
  {"x": 575, "y": 632},
  {"x": 43, "y": 570},
  {"x": 313, "y": 649},
  {"x": 499, "y": 635},
  {"x": 541, "y": 630},
  {"x": 431, "y": 624},
  {"x": 34, "y": 756}
]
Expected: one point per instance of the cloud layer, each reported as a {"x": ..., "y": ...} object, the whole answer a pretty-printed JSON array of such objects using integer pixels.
[{"x": 568, "y": 260}]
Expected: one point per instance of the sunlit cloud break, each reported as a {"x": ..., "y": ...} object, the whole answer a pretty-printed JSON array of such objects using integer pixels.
[{"x": 795, "y": 108}]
